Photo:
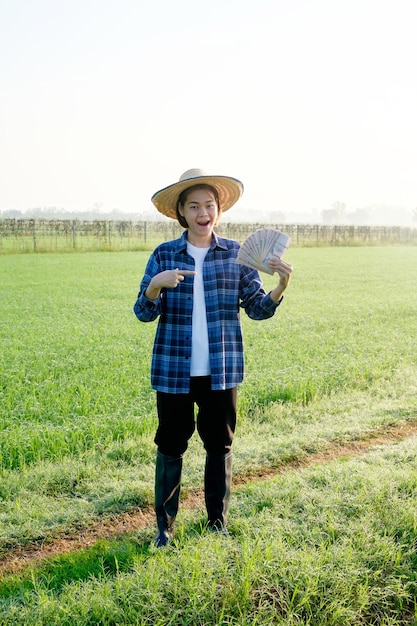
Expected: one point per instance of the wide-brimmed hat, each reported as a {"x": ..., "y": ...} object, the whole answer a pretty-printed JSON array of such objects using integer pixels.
[{"x": 229, "y": 190}]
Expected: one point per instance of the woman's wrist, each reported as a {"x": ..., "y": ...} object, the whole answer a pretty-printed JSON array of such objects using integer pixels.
[{"x": 152, "y": 293}]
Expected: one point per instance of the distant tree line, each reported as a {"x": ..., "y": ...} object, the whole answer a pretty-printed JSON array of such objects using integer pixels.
[{"x": 337, "y": 214}]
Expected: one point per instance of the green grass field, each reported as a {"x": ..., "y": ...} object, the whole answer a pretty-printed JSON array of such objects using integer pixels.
[{"x": 334, "y": 543}]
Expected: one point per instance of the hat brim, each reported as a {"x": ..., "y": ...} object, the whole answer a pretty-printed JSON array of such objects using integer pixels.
[{"x": 229, "y": 190}]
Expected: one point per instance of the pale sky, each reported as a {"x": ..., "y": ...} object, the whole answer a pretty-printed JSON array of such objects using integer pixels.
[{"x": 307, "y": 102}]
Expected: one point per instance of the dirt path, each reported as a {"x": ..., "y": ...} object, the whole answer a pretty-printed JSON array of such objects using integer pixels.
[{"x": 126, "y": 523}]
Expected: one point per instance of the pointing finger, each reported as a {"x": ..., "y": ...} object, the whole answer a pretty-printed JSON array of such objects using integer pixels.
[{"x": 185, "y": 272}]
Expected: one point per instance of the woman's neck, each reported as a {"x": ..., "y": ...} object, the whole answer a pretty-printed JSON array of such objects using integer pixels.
[{"x": 199, "y": 242}]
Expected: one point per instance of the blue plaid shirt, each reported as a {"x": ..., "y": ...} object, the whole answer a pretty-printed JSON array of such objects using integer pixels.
[{"x": 227, "y": 287}]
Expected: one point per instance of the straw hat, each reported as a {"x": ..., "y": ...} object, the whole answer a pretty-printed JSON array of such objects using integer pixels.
[{"x": 229, "y": 190}]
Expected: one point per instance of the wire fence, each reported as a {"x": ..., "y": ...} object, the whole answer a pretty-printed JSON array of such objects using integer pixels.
[{"x": 41, "y": 235}]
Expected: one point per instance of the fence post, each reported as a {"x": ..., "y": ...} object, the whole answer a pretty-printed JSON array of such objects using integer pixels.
[
  {"x": 74, "y": 230},
  {"x": 34, "y": 235}
]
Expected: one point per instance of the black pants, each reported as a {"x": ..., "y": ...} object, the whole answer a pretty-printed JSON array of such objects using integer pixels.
[{"x": 216, "y": 418}]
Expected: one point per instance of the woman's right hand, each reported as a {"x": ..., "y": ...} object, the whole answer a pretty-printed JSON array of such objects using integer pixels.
[{"x": 168, "y": 279}]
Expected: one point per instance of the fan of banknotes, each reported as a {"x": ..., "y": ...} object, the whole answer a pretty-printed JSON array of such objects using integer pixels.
[{"x": 261, "y": 246}]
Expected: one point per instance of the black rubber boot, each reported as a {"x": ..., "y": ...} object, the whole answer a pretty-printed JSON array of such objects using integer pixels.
[
  {"x": 167, "y": 493},
  {"x": 217, "y": 487}
]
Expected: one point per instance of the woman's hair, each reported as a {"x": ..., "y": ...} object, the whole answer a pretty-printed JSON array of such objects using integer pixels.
[{"x": 182, "y": 199}]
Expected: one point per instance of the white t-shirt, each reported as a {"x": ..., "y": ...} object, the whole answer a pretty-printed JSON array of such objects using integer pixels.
[{"x": 200, "y": 359}]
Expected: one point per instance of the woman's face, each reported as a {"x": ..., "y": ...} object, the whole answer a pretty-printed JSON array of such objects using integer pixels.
[{"x": 200, "y": 212}]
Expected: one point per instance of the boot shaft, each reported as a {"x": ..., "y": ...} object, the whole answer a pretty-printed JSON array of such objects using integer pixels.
[
  {"x": 217, "y": 488},
  {"x": 167, "y": 491}
]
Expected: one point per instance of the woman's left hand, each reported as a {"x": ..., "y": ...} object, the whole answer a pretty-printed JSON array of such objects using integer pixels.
[{"x": 284, "y": 270}]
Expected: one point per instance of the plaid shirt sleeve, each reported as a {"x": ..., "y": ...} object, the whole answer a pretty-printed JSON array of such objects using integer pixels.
[{"x": 228, "y": 288}]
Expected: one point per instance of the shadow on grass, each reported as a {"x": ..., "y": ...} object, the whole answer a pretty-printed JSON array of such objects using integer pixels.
[{"x": 104, "y": 558}]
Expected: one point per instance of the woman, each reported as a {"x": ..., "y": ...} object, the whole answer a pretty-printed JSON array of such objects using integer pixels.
[{"x": 196, "y": 289}]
